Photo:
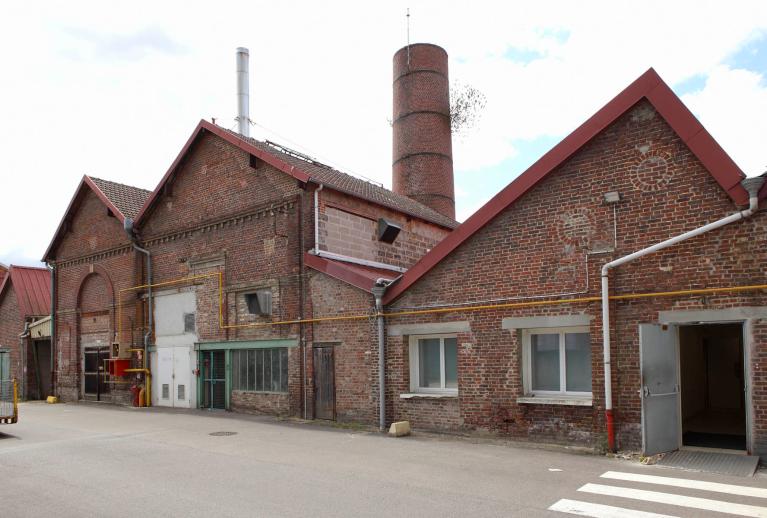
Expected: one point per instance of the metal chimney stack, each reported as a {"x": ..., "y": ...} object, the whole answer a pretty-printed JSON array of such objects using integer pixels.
[{"x": 243, "y": 89}]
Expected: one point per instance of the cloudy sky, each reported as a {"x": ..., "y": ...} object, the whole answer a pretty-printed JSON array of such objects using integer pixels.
[{"x": 114, "y": 92}]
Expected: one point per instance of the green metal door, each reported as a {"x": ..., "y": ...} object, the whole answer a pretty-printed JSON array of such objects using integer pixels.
[{"x": 213, "y": 380}]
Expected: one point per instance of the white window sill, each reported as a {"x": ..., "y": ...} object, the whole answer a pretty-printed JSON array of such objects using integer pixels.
[
  {"x": 433, "y": 395},
  {"x": 555, "y": 400}
]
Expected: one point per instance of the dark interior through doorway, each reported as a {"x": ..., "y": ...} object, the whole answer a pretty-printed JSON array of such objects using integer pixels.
[
  {"x": 39, "y": 379},
  {"x": 711, "y": 365}
]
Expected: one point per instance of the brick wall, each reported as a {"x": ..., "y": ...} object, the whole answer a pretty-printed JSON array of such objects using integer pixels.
[
  {"x": 260, "y": 403},
  {"x": 222, "y": 215},
  {"x": 94, "y": 261},
  {"x": 355, "y": 347},
  {"x": 349, "y": 226},
  {"x": 545, "y": 244}
]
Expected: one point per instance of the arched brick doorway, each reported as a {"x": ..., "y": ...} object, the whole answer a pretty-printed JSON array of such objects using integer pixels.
[{"x": 95, "y": 304}]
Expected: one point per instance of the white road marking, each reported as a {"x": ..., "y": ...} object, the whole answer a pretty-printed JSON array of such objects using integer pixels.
[
  {"x": 756, "y": 492},
  {"x": 704, "y": 504},
  {"x": 601, "y": 511}
]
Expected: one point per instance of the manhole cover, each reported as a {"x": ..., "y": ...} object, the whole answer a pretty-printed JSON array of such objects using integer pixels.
[{"x": 222, "y": 434}]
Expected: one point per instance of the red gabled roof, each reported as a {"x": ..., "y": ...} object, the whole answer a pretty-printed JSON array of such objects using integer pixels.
[
  {"x": 123, "y": 200},
  {"x": 648, "y": 86},
  {"x": 304, "y": 169},
  {"x": 363, "y": 277},
  {"x": 32, "y": 287}
]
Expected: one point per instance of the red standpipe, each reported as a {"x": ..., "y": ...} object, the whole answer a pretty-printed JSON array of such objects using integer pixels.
[{"x": 610, "y": 431}]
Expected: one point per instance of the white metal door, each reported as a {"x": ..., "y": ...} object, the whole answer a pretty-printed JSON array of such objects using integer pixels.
[
  {"x": 164, "y": 394},
  {"x": 182, "y": 370},
  {"x": 658, "y": 360}
]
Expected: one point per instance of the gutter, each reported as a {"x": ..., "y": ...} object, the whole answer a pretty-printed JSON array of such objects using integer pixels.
[
  {"x": 752, "y": 185},
  {"x": 362, "y": 262}
]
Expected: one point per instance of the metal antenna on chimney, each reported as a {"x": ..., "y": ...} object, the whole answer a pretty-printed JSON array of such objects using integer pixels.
[{"x": 407, "y": 18}]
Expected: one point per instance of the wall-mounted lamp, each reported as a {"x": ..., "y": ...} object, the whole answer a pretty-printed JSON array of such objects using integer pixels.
[{"x": 612, "y": 197}]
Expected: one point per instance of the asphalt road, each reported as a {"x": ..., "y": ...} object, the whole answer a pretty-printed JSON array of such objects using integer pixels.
[{"x": 93, "y": 460}]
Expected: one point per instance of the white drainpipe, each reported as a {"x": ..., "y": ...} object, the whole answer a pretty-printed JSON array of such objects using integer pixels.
[
  {"x": 317, "y": 217},
  {"x": 752, "y": 185}
]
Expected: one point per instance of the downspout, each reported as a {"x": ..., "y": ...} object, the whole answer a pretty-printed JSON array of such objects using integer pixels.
[
  {"x": 52, "y": 269},
  {"x": 150, "y": 319},
  {"x": 302, "y": 289},
  {"x": 128, "y": 224},
  {"x": 23, "y": 348},
  {"x": 317, "y": 217},
  {"x": 378, "y": 292},
  {"x": 752, "y": 185},
  {"x": 316, "y": 249}
]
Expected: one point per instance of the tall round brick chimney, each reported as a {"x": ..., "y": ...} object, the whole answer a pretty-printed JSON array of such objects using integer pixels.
[{"x": 422, "y": 167}]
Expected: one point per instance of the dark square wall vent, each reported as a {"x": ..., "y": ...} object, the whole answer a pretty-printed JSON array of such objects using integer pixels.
[{"x": 387, "y": 230}]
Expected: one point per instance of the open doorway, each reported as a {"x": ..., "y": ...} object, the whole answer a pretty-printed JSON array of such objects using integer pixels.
[{"x": 711, "y": 367}]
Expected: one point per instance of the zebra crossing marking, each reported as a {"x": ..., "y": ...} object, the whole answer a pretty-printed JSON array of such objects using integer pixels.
[
  {"x": 601, "y": 511},
  {"x": 693, "y": 502},
  {"x": 731, "y": 489}
]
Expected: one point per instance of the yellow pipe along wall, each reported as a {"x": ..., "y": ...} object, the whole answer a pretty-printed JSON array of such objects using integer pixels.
[{"x": 451, "y": 309}]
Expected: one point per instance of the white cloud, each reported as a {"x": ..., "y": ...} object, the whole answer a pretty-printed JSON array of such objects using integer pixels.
[
  {"x": 733, "y": 107},
  {"x": 321, "y": 76}
]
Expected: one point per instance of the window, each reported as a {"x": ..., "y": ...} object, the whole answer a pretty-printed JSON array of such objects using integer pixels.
[
  {"x": 260, "y": 302},
  {"x": 260, "y": 370},
  {"x": 557, "y": 361},
  {"x": 189, "y": 323},
  {"x": 434, "y": 364}
]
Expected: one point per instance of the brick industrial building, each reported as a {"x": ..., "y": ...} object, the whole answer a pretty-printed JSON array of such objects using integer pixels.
[
  {"x": 25, "y": 306},
  {"x": 252, "y": 275}
]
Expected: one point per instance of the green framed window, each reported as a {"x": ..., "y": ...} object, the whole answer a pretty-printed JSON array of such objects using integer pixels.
[{"x": 260, "y": 370}]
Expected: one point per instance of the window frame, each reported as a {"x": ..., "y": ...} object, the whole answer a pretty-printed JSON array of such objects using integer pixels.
[
  {"x": 255, "y": 351},
  {"x": 415, "y": 366},
  {"x": 527, "y": 366},
  {"x": 193, "y": 317},
  {"x": 260, "y": 295}
]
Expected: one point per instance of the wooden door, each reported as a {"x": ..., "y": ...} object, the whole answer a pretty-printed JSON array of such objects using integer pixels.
[{"x": 324, "y": 383}]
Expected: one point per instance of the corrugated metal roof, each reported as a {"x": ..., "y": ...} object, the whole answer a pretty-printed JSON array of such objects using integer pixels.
[
  {"x": 363, "y": 277},
  {"x": 33, "y": 289}
]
